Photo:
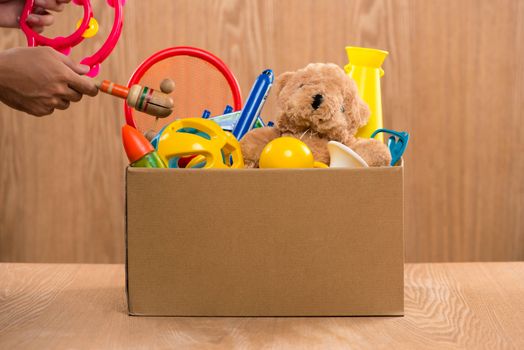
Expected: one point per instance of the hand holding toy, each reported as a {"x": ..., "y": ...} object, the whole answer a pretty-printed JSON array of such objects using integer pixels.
[
  {"x": 86, "y": 28},
  {"x": 143, "y": 99}
]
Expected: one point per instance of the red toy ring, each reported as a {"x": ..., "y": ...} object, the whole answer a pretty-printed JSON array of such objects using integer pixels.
[
  {"x": 184, "y": 51},
  {"x": 64, "y": 44}
]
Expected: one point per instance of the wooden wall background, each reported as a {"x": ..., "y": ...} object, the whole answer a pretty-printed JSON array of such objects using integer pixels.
[{"x": 454, "y": 80}]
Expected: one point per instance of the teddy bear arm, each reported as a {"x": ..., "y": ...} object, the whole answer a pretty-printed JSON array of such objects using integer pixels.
[
  {"x": 254, "y": 142},
  {"x": 374, "y": 152}
]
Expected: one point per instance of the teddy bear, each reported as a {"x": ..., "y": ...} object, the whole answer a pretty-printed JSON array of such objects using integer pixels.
[{"x": 317, "y": 104}]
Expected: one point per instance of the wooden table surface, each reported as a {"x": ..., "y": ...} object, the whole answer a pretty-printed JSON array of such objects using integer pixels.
[{"x": 461, "y": 305}]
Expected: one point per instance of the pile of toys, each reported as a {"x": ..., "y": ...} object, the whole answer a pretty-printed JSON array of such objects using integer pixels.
[{"x": 328, "y": 118}]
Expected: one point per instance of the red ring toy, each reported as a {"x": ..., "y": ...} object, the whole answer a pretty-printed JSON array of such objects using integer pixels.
[
  {"x": 64, "y": 44},
  {"x": 184, "y": 51}
]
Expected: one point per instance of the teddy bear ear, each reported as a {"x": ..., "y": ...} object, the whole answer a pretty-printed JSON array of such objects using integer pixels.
[
  {"x": 362, "y": 111},
  {"x": 282, "y": 80}
]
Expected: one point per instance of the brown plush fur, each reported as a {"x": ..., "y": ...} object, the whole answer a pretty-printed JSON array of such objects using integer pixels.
[{"x": 336, "y": 116}]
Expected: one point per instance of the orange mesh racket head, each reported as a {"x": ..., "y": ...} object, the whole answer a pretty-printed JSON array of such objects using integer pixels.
[{"x": 202, "y": 82}]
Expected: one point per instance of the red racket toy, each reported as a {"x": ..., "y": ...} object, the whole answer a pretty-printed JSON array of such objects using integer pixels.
[{"x": 203, "y": 82}]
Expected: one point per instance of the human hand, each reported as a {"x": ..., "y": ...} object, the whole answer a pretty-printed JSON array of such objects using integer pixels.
[
  {"x": 38, "y": 80},
  {"x": 10, "y": 11}
]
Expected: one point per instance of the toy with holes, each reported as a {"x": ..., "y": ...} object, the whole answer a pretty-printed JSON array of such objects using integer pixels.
[
  {"x": 87, "y": 27},
  {"x": 203, "y": 139},
  {"x": 142, "y": 98}
]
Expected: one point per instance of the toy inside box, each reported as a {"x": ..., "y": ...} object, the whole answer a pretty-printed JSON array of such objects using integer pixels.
[
  {"x": 300, "y": 218},
  {"x": 271, "y": 242}
]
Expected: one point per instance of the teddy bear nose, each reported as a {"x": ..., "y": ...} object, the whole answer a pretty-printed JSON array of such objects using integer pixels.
[{"x": 317, "y": 101}]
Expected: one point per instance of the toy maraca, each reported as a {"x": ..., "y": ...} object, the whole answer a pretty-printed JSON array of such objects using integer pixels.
[
  {"x": 86, "y": 28},
  {"x": 143, "y": 98}
]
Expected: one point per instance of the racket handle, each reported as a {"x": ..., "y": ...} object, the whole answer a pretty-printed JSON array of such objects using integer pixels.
[{"x": 150, "y": 101}]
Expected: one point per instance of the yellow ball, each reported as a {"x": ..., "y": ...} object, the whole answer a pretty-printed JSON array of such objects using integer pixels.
[
  {"x": 286, "y": 152},
  {"x": 92, "y": 28}
]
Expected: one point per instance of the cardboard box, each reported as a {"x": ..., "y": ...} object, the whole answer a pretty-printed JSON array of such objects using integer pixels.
[{"x": 271, "y": 242}]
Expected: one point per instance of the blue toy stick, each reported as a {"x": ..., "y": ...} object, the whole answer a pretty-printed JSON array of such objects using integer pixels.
[
  {"x": 254, "y": 103},
  {"x": 396, "y": 146}
]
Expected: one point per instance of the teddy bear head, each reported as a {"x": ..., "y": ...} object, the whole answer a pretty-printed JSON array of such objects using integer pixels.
[{"x": 320, "y": 99}]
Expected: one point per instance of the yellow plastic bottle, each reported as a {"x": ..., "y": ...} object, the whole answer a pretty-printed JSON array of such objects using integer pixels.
[{"x": 365, "y": 68}]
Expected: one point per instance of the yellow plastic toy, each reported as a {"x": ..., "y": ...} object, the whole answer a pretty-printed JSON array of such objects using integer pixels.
[
  {"x": 201, "y": 138},
  {"x": 91, "y": 30},
  {"x": 365, "y": 68},
  {"x": 288, "y": 152}
]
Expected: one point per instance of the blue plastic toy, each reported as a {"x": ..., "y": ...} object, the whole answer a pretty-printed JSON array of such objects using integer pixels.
[
  {"x": 254, "y": 103},
  {"x": 229, "y": 119},
  {"x": 397, "y": 145},
  {"x": 240, "y": 122}
]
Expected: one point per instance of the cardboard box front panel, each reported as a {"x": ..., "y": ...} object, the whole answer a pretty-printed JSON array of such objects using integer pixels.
[{"x": 309, "y": 242}]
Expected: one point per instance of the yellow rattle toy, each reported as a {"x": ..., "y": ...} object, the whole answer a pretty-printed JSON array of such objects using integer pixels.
[
  {"x": 288, "y": 152},
  {"x": 202, "y": 138}
]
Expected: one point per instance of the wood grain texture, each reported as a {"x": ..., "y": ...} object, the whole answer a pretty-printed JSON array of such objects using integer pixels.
[
  {"x": 448, "y": 306},
  {"x": 454, "y": 80}
]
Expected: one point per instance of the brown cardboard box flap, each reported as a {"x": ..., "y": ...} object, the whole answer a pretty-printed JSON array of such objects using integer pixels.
[{"x": 272, "y": 242}]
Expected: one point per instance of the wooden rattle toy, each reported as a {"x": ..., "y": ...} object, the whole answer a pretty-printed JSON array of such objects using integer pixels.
[
  {"x": 86, "y": 28},
  {"x": 143, "y": 98}
]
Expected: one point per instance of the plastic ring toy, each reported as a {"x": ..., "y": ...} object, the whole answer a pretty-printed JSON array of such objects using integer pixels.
[
  {"x": 65, "y": 44},
  {"x": 206, "y": 56},
  {"x": 200, "y": 137}
]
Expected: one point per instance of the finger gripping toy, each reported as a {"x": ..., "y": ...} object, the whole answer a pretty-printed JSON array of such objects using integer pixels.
[
  {"x": 317, "y": 104},
  {"x": 199, "y": 137},
  {"x": 288, "y": 152},
  {"x": 143, "y": 99},
  {"x": 86, "y": 28}
]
